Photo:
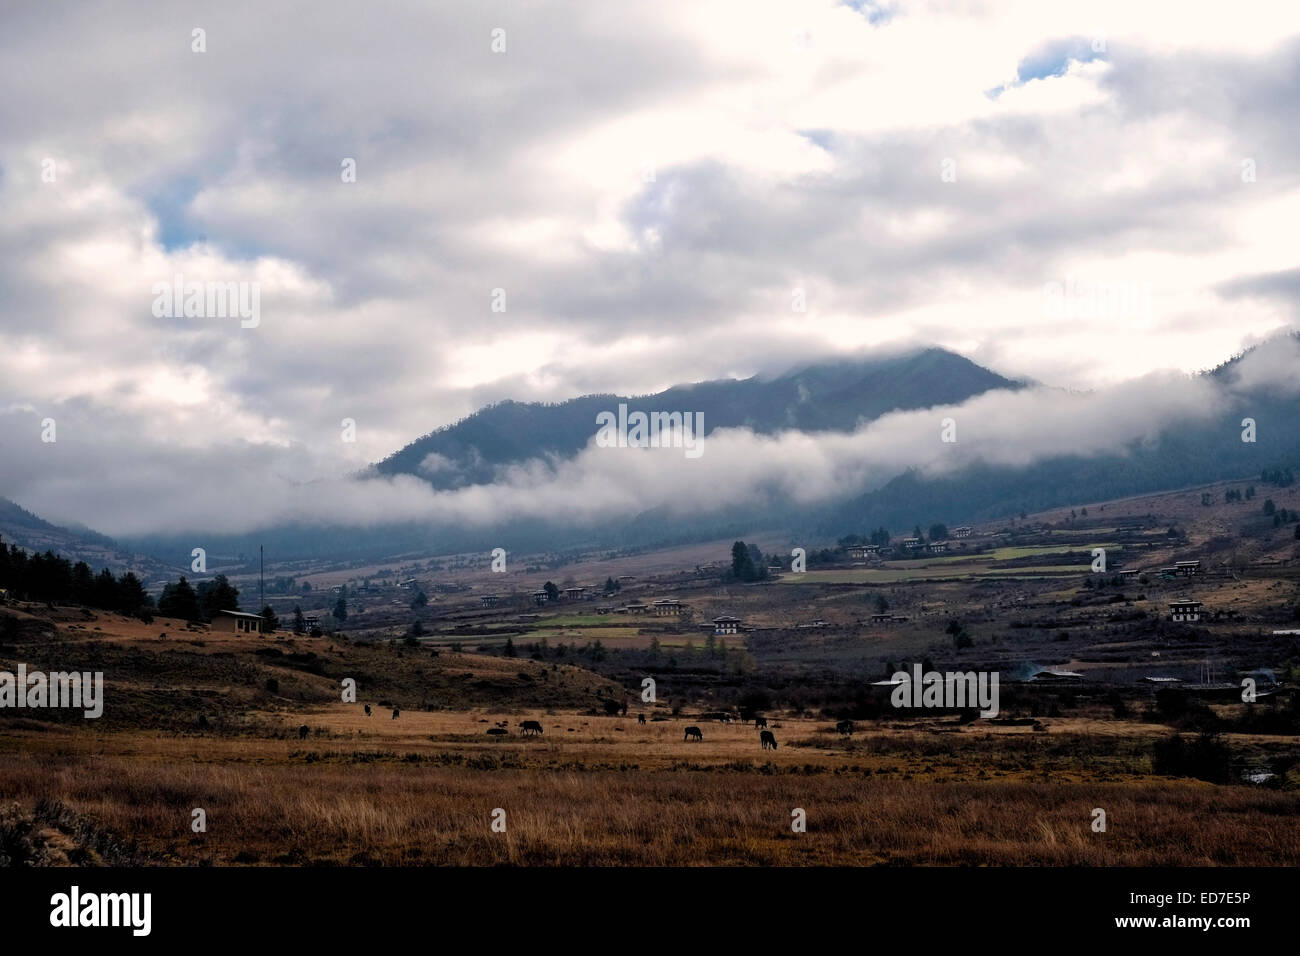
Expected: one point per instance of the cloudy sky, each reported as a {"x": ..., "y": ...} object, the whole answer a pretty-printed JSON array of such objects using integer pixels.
[{"x": 1079, "y": 193}]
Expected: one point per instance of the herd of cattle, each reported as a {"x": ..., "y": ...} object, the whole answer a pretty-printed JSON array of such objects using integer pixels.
[{"x": 533, "y": 728}]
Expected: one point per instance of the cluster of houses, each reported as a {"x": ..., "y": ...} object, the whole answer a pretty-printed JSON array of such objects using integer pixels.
[{"x": 861, "y": 552}]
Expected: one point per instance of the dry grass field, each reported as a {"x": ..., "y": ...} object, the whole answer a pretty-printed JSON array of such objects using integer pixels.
[{"x": 252, "y": 730}]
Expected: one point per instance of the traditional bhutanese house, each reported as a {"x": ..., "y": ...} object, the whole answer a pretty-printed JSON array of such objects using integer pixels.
[
  {"x": 539, "y": 597},
  {"x": 937, "y": 547},
  {"x": 1160, "y": 681},
  {"x": 636, "y": 608},
  {"x": 899, "y": 619},
  {"x": 881, "y": 618},
  {"x": 911, "y": 544},
  {"x": 1054, "y": 676},
  {"x": 1168, "y": 572},
  {"x": 1184, "y": 610},
  {"x": 574, "y": 594},
  {"x": 665, "y": 607},
  {"x": 237, "y": 622},
  {"x": 488, "y": 600},
  {"x": 604, "y": 608},
  {"x": 726, "y": 625},
  {"x": 1130, "y": 573},
  {"x": 1187, "y": 568},
  {"x": 962, "y": 532},
  {"x": 310, "y": 622},
  {"x": 860, "y": 551}
]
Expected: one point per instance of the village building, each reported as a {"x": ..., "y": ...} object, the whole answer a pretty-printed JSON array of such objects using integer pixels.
[
  {"x": 962, "y": 532},
  {"x": 665, "y": 607},
  {"x": 1129, "y": 574},
  {"x": 1185, "y": 610},
  {"x": 574, "y": 594},
  {"x": 860, "y": 551},
  {"x": 881, "y": 618},
  {"x": 1052, "y": 675},
  {"x": 636, "y": 607},
  {"x": 237, "y": 622},
  {"x": 1187, "y": 568},
  {"x": 540, "y": 597},
  {"x": 727, "y": 625},
  {"x": 488, "y": 600},
  {"x": 937, "y": 547},
  {"x": 912, "y": 544}
]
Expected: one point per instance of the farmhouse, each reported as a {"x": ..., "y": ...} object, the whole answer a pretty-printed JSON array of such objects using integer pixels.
[
  {"x": 574, "y": 594},
  {"x": 636, "y": 607},
  {"x": 488, "y": 600},
  {"x": 881, "y": 618},
  {"x": 912, "y": 544},
  {"x": 237, "y": 622},
  {"x": 1185, "y": 610},
  {"x": 1130, "y": 574},
  {"x": 539, "y": 597},
  {"x": 937, "y": 547},
  {"x": 1187, "y": 568},
  {"x": 665, "y": 607},
  {"x": 726, "y": 625},
  {"x": 1055, "y": 676},
  {"x": 962, "y": 532},
  {"x": 860, "y": 551}
]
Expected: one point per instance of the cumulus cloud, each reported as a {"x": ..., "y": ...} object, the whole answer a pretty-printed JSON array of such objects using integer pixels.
[{"x": 650, "y": 186}]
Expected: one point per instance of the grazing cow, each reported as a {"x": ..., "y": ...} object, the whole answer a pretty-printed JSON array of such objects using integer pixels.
[
  {"x": 303, "y": 731},
  {"x": 640, "y": 718},
  {"x": 845, "y": 727},
  {"x": 760, "y": 722},
  {"x": 693, "y": 732},
  {"x": 530, "y": 727},
  {"x": 367, "y": 710},
  {"x": 767, "y": 737},
  {"x": 395, "y": 713},
  {"x": 497, "y": 732}
]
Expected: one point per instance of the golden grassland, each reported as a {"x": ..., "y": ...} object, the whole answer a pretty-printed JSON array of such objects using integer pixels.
[{"x": 421, "y": 789}]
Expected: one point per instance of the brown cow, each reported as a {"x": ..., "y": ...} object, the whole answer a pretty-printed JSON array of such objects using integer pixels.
[
  {"x": 693, "y": 732},
  {"x": 767, "y": 737}
]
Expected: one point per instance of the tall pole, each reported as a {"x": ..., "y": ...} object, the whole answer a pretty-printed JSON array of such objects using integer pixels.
[{"x": 261, "y": 577}]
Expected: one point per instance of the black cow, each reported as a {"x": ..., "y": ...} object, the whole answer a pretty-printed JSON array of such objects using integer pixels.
[
  {"x": 303, "y": 731},
  {"x": 367, "y": 710},
  {"x": 530, "y": 727},
  {"x": 395, "y": 713},
  {"x": 640, "y": 718},
  {"x": 768, "y": 738},
  {"x": 845, "y": 727},
  {"x": 760, "y": 722},
  {"x": 693, "y": 732}
]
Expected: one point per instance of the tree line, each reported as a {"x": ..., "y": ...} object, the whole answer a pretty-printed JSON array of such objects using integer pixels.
[{"x": 54, "y": 579}]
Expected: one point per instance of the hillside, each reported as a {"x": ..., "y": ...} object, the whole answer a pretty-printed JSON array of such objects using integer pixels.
[{"x": 829, "y": 396}]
